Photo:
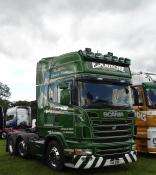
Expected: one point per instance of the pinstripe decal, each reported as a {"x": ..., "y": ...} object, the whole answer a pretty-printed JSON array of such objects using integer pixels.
[
  {"x": 134, "y": 155},
  {"x": 103, "y": 163},
  {"x": 80, "y": 161},
  {"x": 126, "y": 161},
  {"x": 95, "y": 162},
  {"x": 132, "y": 158},
  {"x": 128, "y": 158},
  {"x": 84, "y": 162},
  {"x": 89, "y": 164},
  {"x": 76, "y": 158},
  {"x": 99, "y": 162}
]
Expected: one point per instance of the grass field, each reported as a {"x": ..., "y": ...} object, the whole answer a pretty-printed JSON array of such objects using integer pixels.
[{"x": 146, "y": 164}]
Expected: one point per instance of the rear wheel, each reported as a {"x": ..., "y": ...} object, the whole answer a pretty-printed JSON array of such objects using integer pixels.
[
  {"x": 55, "y": 155},
  {"x": 22, "y": 148},
  {"x": 3, "y": 135},
  {"x": 11, "y": 147}
]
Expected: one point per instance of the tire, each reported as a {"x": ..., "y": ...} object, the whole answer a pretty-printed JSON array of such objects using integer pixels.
[
  {"x": 10, "y": 145},
  {"x": 55, "y": 155},
  {"x": 3, "y": 135},
  {"x": 22, "y": 148}
]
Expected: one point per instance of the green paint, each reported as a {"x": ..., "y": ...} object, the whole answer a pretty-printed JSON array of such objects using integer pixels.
[
  {"x": 61, "y": 116},
  {"x": 149, "y": 85}
]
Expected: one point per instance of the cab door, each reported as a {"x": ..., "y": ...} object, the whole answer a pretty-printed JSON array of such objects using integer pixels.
[
  {"x": 60, "y": 113},
  {"x": 64, "y": 117}
]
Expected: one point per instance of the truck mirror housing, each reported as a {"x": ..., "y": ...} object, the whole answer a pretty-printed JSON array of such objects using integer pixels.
[
  {"x": 63, "y": 85},
  {"x": 136, "y": 97},
  {"x": 65, "y": 97}
]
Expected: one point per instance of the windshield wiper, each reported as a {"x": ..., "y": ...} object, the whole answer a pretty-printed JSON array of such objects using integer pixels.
[
  {"x": 101, "y": 101},
  {"x": 103, "y": 105}
]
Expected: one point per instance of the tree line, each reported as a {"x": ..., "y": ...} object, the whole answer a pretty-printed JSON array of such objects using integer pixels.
[{"x": 5, "y": 94}]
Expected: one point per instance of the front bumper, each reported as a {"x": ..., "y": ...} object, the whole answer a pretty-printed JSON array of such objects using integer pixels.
[{"x": 86, "y": 162}]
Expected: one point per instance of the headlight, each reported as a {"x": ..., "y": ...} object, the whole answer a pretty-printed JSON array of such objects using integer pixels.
[{"x": 83, "y": 152}]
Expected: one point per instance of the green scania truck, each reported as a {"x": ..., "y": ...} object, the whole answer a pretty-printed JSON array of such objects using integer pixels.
[{"x": 84, "y": 112}]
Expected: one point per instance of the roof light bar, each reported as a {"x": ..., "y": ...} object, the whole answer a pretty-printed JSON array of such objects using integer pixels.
[
  {"x": 107, "y": 57},
  {"x": 121, "y": 60},
  {"x": 99, "y": 55},
  {"x": 90, "y": 54},
  {"x": 127, "y": 61},
  {"x": 115, "y": 59}
]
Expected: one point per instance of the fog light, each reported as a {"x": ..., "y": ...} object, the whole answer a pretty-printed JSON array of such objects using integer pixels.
[{"x": 83, "y": 152}]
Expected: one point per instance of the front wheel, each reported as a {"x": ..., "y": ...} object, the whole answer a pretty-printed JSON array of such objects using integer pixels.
[
  {"x": 22, "y": 149},
  {"x": 55, "y": 155},
  {"x": 3, "y": 135}
]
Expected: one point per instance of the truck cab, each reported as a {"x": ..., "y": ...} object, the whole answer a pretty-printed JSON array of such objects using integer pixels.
[
  {"x": 85, "y": 117},
  {"x": 18, "y": 117},
  {"x": 144, "y": 87}
]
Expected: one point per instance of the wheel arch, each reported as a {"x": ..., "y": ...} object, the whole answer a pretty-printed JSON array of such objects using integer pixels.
[{"x": 57, "y": 138}]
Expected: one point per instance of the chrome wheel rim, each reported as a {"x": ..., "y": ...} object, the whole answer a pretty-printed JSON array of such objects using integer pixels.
[
  {"x": 4, "y": 134},
  {"x": 22, "y": 148},
  {"x": 54, "y": 156},
  {"x": 10, "y": 148}
]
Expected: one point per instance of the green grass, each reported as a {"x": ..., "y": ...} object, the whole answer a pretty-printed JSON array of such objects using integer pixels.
[{"x": 146, "y": 164}]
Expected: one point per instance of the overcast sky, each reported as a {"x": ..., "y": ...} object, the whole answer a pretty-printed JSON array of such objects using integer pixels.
[{"x": 32, "y": 29}]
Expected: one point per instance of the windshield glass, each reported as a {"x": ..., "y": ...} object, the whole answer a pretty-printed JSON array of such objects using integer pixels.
[
  {"x": 23, "y": 116},
  {"x": 151, "y": 96},
  {"x": 95, "y": 94}
]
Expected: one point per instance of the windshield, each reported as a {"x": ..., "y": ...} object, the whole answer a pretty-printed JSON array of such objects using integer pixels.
[
  {"x": 23, "y": 116},
  {"x": 95, "y": 94},
  {"x": 151, "y": 96}
]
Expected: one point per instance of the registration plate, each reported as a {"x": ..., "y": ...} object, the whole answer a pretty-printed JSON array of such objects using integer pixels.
[{"x": 114, "y": 162}]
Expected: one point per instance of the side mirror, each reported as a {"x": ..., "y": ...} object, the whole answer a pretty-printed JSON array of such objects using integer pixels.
[
  {"x": 135, "y": 97},
  {"x": 65, "y": 97},
  {"x": 63, "y": 85}
]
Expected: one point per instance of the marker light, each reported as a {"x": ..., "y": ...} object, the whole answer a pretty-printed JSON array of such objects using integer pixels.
[
  {"x": 90, "y": 54},
  {"x": 110, "y": 53},
  {"x": 127, "y": 61},
  {"x": 115, "y": 59},
  {"x": 88, "y": 49},
  {"x": 109, "y": 56},
  {"x": 98, "y": 55},
  {"x": 121, "y": 60}
]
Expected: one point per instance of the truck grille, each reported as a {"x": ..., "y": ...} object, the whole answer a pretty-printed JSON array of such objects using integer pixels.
[{"x": 113, "y": 133}]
